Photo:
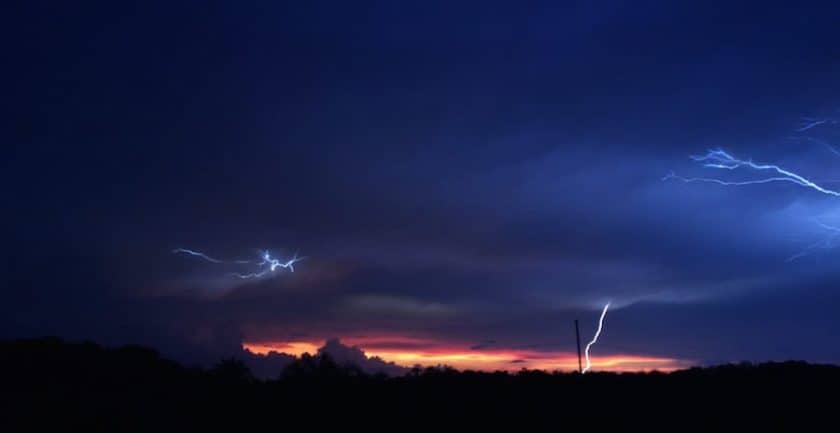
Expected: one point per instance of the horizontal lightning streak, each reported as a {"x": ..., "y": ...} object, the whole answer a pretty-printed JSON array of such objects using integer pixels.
[
  {"x": 811, "y": 124},
  {"x": 719, "y": 159},
  {"x": 268, "y": 263},
  {"x": 272, "y": 264},
  {"x": 197, "y": 254},
  {"x": 823, "y": 243}
]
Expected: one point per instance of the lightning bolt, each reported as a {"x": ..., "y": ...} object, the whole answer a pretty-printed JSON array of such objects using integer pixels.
[
  {"x": 595, "y": 338},
  {"x": 832, "y": 149},
  {"x": 197, "y": 254},
  {"x": 268, "y": 264},
  {"x": 272, "y": 265},
  {"x": 824, "y": 243},
  {"x": 810, "y": 123},
  {"x": 818, "y": 142},
  {"x": 720, "y": 159}
]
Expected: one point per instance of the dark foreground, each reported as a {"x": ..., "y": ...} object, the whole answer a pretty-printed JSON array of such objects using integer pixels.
[{"x": 84, "y": 387}]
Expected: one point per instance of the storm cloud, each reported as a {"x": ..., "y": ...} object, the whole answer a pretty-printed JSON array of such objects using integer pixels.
[{"x": 453, "y": 173}]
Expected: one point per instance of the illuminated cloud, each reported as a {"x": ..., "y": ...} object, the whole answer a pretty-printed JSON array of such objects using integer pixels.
[{"x": 295, "y": 348}]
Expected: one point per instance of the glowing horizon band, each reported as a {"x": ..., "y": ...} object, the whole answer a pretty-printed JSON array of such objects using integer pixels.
[{"x": 595, "y": 338}]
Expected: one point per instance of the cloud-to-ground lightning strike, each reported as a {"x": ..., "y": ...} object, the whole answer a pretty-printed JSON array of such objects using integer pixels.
[
  {"x": 595, "y": 338},
  {"x": 721, "y": 160},
  {"x": 268, "y": 265}
]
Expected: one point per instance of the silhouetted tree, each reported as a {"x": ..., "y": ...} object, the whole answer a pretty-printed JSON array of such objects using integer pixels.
[
  {"x": 232, "y": 371},
  {"x": 80, "y": 387}
]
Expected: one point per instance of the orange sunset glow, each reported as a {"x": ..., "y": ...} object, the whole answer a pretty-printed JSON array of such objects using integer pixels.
[{"x": 413, "y": 351}]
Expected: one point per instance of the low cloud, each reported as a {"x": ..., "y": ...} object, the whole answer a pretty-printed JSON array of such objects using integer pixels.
[
  {"x": 353, "y": 355},
  {"x": 271, "y": 364},
  {"x": 267, "y": 366}
]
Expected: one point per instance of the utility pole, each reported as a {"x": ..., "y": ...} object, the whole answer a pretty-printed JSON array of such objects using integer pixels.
[{"x": 577, "y": 336}]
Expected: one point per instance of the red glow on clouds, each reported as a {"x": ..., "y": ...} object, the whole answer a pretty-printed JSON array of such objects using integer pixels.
[{"x": 410, "y": 351}]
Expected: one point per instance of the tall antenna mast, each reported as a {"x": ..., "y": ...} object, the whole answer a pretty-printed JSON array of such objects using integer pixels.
[{"x": 577, "y": 336}]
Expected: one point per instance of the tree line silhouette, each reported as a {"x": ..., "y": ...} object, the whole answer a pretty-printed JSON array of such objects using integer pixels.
[{"x": 50, "y": 384}]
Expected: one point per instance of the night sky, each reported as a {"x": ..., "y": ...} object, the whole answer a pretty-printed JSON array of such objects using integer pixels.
[{"x": 464, "y": 180}]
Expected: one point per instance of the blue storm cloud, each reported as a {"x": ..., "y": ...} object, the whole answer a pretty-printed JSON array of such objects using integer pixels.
[{"x": 470, "y": 172}]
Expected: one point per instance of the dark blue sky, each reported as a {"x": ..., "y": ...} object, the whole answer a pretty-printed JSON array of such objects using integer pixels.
[{"x": 464, "y": 172}]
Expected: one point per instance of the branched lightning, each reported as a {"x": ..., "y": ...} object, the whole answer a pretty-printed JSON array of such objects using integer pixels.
[
  {"x": 720, "y": 159},
  {"x": 270, "y": 265},
  {"x": 267, "y": 265},
  {"x": 595, "y": 338}
]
